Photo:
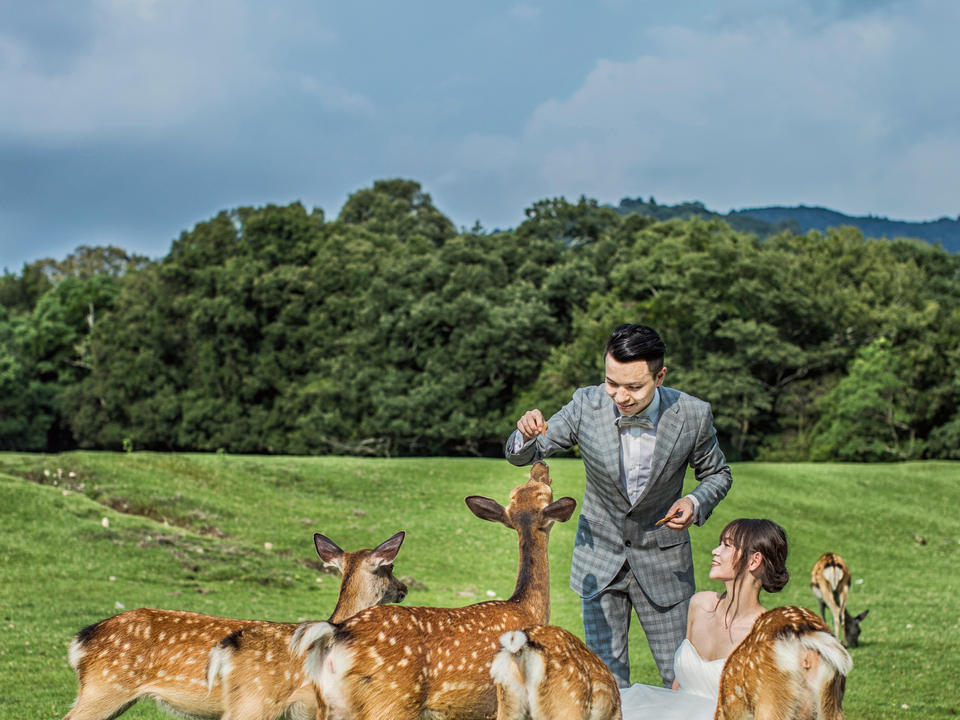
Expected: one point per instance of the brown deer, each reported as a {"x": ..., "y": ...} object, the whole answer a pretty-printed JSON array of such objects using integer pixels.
[
  {"x": 162, "y": 654},
  {"x": 546, "y": 673},
  {"x": 788, "y": 668},
  {"x": 253, "y": 668},
  {"x": 405, "y": 663},
  {"x": 830, "y": 583}
]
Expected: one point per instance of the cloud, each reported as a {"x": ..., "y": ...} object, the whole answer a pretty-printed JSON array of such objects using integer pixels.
[
  {"x": 143, "y": 67},
  {"x": 335, "y": 98},
  {"x": 767, "y": 111}
]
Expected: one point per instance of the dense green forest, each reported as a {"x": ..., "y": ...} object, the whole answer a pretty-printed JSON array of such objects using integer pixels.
[{"x": 388, "y": 331}]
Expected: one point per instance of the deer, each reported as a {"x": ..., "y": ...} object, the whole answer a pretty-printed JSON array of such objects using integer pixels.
[
  {"x": 790, "y": 667},
  {"x": 545, "y": 672},
  {"x": 406, "y": 663},
  {"x": 830, "y": 583},
  {"x": 162, "y": 654},
  {"x": 253, "y": 667}
]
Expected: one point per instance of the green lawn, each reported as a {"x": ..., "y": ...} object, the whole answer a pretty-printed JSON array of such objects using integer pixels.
[{"x": 232, "y": 535}]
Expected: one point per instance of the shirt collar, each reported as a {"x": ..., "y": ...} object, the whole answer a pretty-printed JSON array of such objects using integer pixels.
[{"x": 651, "y": 411}]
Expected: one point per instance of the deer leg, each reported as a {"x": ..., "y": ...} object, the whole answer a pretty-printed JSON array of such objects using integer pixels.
[
  {"x": 250, "y": 708},
  {"x": 509, "y": 706},
  {"x": 99, "y": 705},
  {"x": 842, "y": 607}
]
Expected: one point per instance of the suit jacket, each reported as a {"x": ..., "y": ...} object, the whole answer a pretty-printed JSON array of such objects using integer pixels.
[{"x": 611, "y": 529}]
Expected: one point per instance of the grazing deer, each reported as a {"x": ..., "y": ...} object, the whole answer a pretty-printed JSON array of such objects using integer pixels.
[
  {"x": 546, "y": 673},
  {"x": 830, "y": 582},
  {"x": 405, "y": 663},
  {"x": 253, "y": 667},
  {"x": 788, "y": 668},
  {"x": 162, "y": 654}
]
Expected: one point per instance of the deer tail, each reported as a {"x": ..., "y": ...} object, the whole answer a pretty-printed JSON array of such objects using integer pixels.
[
  {"x": 220, "y": 659},
  {"x": 833, "y": 653},
  {"x": 312, "y": 640}
]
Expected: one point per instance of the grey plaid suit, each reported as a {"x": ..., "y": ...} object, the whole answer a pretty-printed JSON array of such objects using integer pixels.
[{"x": 614, "y": 534}]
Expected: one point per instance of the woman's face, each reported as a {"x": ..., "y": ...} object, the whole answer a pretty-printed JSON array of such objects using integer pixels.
[{"x": 725, "y": 557}]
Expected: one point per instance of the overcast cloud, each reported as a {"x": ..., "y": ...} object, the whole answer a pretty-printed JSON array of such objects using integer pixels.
[{"x": 128, "y": 121}]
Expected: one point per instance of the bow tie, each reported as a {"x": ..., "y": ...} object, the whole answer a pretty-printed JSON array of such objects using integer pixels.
[{"x": 637, "y": 421}]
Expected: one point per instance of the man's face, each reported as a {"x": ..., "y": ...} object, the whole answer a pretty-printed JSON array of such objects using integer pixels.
[{"x": 631, "y": 385}]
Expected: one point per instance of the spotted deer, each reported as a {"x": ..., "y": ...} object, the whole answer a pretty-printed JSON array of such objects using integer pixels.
[
  {"x": 405, "y": 663},
  {"x": 830, "y": 582},
  {"x": 253, "y": 668},
  {"x": 162, "y": 654},
  {"x": 547, "y": 673},
  {"x": 788, "y": 668}
]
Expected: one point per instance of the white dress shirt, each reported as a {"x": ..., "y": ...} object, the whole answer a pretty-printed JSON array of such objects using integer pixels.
[{"x": 636, "y": 449}]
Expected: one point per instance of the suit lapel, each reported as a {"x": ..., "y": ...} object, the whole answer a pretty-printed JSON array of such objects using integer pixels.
[
  {"x": 668, "y": 431},
  {"x": 610, "y": 441}
]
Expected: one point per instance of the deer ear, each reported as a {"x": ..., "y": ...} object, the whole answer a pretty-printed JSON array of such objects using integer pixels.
[
  {"x": 560, "y": 510},
  {"x": 328, "y": 550},
  {"x": 862, "y": 615},
  {"x": 486, "y": 509},
  {"x": 386, "y": 552}
]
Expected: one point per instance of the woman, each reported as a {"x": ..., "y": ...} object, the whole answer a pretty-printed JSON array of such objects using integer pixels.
[{"x": 751, "y": 555}]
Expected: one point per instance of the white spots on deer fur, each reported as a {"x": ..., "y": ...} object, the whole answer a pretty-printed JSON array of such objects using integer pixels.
[{"x": 162, "y": 635}]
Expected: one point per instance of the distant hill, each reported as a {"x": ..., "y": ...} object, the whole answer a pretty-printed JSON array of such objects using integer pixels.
[{"x": 767, "y": 221}]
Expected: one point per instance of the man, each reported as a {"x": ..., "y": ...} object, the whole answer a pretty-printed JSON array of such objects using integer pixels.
[{"x": 636, "y": 439}]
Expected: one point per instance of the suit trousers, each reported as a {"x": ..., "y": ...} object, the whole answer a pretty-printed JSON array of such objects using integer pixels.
[{"x": 606, "y": 625}]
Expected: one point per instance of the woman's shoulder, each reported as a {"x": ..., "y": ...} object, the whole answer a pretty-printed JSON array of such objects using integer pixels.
[{"x": 704, "y": 601}]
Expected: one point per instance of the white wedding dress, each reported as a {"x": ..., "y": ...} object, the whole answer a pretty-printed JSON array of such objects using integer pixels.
[{"x": 696, "y": 699}]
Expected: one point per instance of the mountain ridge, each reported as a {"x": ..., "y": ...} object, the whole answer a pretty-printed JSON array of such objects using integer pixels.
[{"x": 770, "y": 220}]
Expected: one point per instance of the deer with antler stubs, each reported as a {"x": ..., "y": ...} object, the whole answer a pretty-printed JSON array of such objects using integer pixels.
[
  {"x": 830, "y": 583},
  {"x": 162, "y": 654},
  {"x": 405, "y": 663},
  {"x": 788, "y": 668},
  {"x": 547, "y": 673},
  {"x": 254, "y": 669}
]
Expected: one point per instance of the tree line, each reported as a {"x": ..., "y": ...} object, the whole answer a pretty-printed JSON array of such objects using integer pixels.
[{"x": 388, "y": 331}]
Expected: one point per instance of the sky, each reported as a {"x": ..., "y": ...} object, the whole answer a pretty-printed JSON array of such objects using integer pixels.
[{"x": 127, "y": 122}]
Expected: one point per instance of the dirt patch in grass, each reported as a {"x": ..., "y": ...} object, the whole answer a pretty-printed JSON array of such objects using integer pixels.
[{"x": 158, "y": 510}]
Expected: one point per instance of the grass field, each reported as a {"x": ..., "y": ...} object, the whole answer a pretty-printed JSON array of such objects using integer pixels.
[{"x": 232, "y": 535}]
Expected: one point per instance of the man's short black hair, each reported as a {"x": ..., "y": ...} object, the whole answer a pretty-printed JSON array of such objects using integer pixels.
[{"x": 632, "y": 342}]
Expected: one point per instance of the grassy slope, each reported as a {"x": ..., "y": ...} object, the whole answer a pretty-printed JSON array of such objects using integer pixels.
[{"x": 189, "y": 532}]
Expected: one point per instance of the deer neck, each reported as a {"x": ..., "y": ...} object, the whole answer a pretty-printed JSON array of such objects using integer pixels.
[
  {"x": 532, "y": 592},
  {"x": 342, "y": 611}
]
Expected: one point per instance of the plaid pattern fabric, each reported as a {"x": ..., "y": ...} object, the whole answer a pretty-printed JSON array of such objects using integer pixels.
[
  {"x": 611, "y": 529},
  {"x": 606, "y": 622}
]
